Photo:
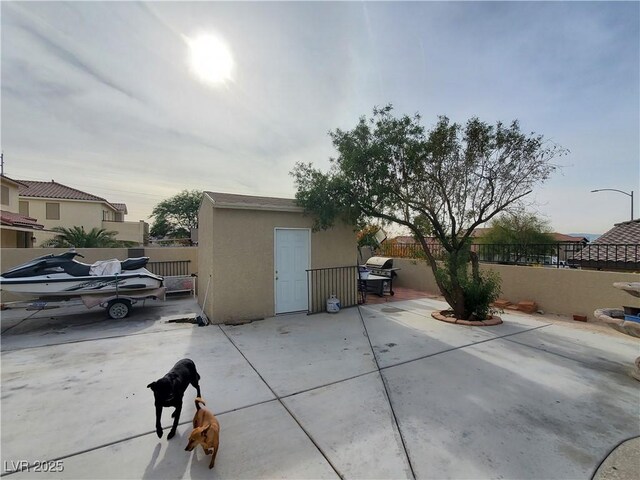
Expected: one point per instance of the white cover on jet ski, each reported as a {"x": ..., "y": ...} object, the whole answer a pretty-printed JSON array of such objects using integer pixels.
[{"x": 105, "y": 267}]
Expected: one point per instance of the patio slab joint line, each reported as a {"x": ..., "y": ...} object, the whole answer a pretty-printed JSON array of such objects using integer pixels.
[
  {"x": 132, "y": 437},
  {"x": 279, "y": 399},
  {"x": 461, "y": 347},
  {"x": 96, "y": 339},
  {"x": 386, "y": 392}
]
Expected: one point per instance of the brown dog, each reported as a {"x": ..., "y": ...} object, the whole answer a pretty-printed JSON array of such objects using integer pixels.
[{"x": 206, "y": 431}]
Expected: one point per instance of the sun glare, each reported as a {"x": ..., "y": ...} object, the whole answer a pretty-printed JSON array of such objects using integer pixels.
[{"x": 210, "y": 59}]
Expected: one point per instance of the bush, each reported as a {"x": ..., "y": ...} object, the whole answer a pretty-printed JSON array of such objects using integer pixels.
[{"x": 480, "y": 294}]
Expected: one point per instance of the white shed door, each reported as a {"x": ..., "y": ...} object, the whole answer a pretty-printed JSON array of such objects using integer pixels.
[{"x": 291, "y": 262}]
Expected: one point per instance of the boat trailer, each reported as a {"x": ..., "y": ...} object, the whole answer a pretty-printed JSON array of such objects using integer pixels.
[{"x": 117, "y": 306}]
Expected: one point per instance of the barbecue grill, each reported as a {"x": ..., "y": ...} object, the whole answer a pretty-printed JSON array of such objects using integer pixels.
[{"x": 382, "y": 273}]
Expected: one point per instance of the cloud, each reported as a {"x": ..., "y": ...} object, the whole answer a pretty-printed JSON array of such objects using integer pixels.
[{"x": 104, "y": 88}]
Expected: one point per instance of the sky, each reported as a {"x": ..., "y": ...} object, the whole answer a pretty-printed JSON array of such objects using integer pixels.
[{"x": 101, "y": 96}]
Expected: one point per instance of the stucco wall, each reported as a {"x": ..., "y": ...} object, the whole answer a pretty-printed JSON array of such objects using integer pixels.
[
  {"x": 168, "y": 254},
  {"x": 562, "y": 291},
  {"x": 127, "y": 231},
  {"x": 237, "y": 249},
  {"x": 205, "y": 257},
  {"x": 13, "y": 204}
]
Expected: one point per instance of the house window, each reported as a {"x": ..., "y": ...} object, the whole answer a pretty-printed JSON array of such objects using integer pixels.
[
  {"x": 53, "y": 211},
  {"x": 5, "y": 195},
  {"x": 23, "y": 239},
  {"x": 23, "y": 208}
]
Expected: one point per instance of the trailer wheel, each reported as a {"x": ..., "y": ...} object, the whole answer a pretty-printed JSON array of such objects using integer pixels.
[{"x": 118, "y": 309}]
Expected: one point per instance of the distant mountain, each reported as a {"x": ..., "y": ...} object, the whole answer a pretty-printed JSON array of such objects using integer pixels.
[{"x": 589, "y": 236}]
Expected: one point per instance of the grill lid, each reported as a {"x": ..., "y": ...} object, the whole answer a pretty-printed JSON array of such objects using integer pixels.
[{"x": 380, "y": 262}]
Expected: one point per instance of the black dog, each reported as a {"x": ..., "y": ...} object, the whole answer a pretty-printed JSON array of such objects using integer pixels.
[{"x": 169, "y": 390}]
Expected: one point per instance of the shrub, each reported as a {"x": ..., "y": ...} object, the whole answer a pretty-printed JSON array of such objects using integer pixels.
[{"x": 481, "y": 293}]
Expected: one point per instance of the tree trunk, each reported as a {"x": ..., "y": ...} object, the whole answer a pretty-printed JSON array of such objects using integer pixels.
[
  {"x": 459, "y": 304},
  {"x": 475, "y": 266},
  {"x": 434, "y": 268}
]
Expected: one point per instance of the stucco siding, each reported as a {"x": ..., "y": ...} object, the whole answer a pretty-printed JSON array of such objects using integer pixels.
[
  {"x": 127, "y": 231},
  {"x": 205, "y": 256},
  {"x": 72, "y": 214},
  {"x": 237, "y": 247},
  {"x": 13, "y": 204}
]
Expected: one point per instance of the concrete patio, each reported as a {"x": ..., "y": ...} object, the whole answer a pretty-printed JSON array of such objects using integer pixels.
[{"x": 383, "y": 391}]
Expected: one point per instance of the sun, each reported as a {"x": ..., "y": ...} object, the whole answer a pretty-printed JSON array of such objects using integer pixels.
[{"x": 210, "y": 59}]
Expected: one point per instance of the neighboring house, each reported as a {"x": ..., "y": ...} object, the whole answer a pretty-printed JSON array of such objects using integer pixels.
[
  {"x": 254, "y": 253},
  {"x": 568, "y": 245},
  {"x": 401, "y": 240},
  {"x": 617, "y": 249},
  {"x": 18, "y": 231},
  {"x": 57, "y": 205}
]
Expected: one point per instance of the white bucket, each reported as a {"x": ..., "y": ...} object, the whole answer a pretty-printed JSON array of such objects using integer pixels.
[
  {"x": 364, "y": 272},
  {"x": 333, "y": 304}
]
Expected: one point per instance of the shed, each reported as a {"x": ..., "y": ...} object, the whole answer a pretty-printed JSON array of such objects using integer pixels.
[{"x": 254, "y": 253}]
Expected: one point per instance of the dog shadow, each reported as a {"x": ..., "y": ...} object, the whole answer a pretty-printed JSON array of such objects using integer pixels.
[
  {"x": 200, "y": 465},
  {"x": 173, "y": 463}
]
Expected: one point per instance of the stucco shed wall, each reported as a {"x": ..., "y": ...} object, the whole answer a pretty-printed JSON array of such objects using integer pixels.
[{"x": 236, "y": 247}]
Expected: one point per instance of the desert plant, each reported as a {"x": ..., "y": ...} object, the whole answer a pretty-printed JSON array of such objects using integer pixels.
[{"x": 79, "y": 238}]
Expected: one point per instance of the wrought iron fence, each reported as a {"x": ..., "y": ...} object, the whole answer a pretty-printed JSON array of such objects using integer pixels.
[
  {"x": 558, "y": 255},
  {"x": 324, "y": 282},
  {"x": 169, "y": 269}
]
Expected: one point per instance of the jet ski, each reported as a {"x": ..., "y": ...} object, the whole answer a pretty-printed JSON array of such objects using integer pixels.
[{"x": 63, "y": 276}]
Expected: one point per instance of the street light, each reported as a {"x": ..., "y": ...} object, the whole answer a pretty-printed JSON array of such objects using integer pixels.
[{"x": 619, "y": 191}]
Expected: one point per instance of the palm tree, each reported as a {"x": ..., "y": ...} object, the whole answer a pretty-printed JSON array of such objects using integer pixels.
[{"x": 77, "y": 237}]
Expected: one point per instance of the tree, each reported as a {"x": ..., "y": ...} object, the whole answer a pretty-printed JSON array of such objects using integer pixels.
[
  {"x": 366, "y": 236},
  {"x": 448, "y": 181},
  {"x": 524, "y": 233},
  {"x": 77, "y": 237},
  {"x": 176, "y": 216}
]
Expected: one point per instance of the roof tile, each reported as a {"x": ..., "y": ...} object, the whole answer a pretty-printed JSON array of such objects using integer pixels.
[
  {"x": 18, "y": 220},
  {"x": 54, "y": 190},
  {"x": 620, "y": 244}
]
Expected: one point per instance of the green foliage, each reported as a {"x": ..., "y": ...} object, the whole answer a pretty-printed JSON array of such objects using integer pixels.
[
  {"x": 77, "y": 237},
  {"x": 524, "y": 232},
  {"x": 479, "y": 291},
  {"x": 366, "y": 236},
  {"x": 518, "y": 228},
  {"x": 177, "y": 215},
  {"x": 444, "y": 182}
]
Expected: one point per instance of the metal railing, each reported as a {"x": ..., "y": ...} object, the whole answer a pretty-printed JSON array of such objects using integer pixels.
[
  {"x": 558, "y": 255},
  {"x": 169, "y": 269},
  {"x": 324, "y": 282}
]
